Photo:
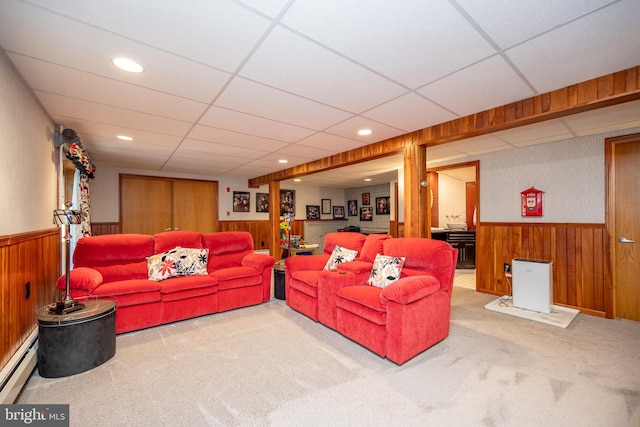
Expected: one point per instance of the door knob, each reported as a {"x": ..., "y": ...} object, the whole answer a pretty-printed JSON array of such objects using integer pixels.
[
  {"x": 625, "y": 240},
  {"x": 167, "y": 229}
]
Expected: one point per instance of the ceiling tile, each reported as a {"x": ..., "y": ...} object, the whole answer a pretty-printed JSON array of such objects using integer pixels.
[
  {"x": 413, "y": 44},
  {"x": 220, "y": 136},
  {"x": 482, "y": 86},
  {"x": 222, "y": 149},
  {"x": 246, "y": 123},
  {"x": 253, "y": 98},
  {"x": 219, "y": 34},
  {"x": 93, "y": 112},
  {"x": 511, "y": 22},
  {"x": 581, "y": 50},
  {"x": 409, "y": 112},
  {"x": 299, "y": 66},
  {"x": 349, "y": 129}
]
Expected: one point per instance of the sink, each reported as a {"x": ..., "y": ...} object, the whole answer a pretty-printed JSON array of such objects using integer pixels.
[{"x": 457, "y": 225}]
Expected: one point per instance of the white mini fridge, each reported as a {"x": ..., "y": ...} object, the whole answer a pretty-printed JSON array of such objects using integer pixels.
[{"x": 532, "y": 284}]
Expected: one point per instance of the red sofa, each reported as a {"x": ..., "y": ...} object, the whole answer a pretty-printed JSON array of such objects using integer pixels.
[
  {"x": 398, "y": 321},
  {"x": 117, "y": 266}
]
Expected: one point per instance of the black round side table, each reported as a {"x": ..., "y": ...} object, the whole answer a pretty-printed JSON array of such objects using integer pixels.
[{"x": 78, "y": 341}]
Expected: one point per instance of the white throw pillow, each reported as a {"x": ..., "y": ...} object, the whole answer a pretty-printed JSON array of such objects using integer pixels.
[
  {"x": 192, "y": 262},
  {"x": 163, "y": 265},
  {"x": 385, "y": 271},
  {"x": 340, "y": 255}
]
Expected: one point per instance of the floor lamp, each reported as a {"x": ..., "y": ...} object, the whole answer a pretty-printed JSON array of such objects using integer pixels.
[{"x": 66, "y": 217}]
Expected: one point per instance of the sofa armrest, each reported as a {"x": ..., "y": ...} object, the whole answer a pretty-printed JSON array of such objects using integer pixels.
[
  {"x": 306, "y": 262},
  {"x": 84, "y": 278},
  {"x": 409, "y": 289},
  {"x": 258, "y": 261}
]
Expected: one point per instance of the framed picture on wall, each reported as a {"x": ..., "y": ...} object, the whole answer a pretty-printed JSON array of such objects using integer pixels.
[
  {"x": 366, "y": 213},
  {"x": 352, "y": 207},
  {"x": 326, "y": 206},
  {"x": 382, "y": 206},
  {"x": 366, "y": 199},
  {"x": 262, "y": 202},
  {"x": 241, "y": 201},
  {"x": 338, "y": 212},
  {"x": 287, "y": 202},
  {"x": 313, "y": 212}
]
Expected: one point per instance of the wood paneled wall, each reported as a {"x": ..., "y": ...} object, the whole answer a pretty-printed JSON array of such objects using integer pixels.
[
  {"x": 581, "y": 272},
  {"x": 101, "y": 228},
  {"x": 32, "y": 258},
  {"x": 258, "y": 229}
]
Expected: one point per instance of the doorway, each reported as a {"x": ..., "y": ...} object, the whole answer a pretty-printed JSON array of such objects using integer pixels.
[
  {"x": 454, "y": 213},
  {"x": 622, "y": 157}
]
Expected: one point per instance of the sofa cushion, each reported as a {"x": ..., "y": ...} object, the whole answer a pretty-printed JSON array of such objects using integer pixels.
[
  {"x": 363, "y": 301},
  {"x": 120, "y": 270},
  {"x": 170, "y": 239},
  {"x": 177, "y": 284},
  {"x": 385, "y": 270},
  {"x": 373, "y": 246},
  {"x": 236, "y": 277},
  {"x": 227, "y": 248},
  {"x": 104, "y": 250},
  {"x": 340, "y": 255},
  {"x": 310, "y": 277},
  {"x": 130, "y": 292},
  {"x": 349, "y": 240}
]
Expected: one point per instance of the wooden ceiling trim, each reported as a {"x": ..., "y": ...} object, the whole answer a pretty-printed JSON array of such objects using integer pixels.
[{"x": 616, "y": 88}]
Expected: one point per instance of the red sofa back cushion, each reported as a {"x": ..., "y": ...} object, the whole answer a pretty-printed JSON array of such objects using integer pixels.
[
  {"x": 435, "y": 256},
  {"x": 115, "y": 256},
  {"x": 170, "y": 239},
  {"x": 347, "y": 239},
  {"x": 227, "y": 248},
  {"x": 372, "y": 247}
]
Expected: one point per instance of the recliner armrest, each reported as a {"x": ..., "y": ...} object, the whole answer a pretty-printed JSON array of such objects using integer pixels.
[
  {"x": 84, "y": 278},
  {"x": 258, "y": 261},
  {"x": 409, "y": 289}
]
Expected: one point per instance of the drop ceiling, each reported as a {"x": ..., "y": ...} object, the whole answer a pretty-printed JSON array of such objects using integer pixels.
[{"x": 231, "y": 87}]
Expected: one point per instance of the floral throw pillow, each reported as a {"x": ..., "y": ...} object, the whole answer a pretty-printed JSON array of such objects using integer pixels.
[
  {"x": 192, "y": 262},
  {"x": 385, "y": 271},
  {"x": 177, "y": 262},
  {"x": 340, "y": 255},
  {"x": 163, "y": 266}
]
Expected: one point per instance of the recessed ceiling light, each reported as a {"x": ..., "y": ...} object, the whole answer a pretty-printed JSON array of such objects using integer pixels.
[
  {"x": 367, "y": 179},
  {"x": 297, "y": 179},
  {"x": 283, "y": 161},
  {"x": 125, "y": 138},
  {"x": 127, "y": 64},
  {"x": 364, "y": 132}
]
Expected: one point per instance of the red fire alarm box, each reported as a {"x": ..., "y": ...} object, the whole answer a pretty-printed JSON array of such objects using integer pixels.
[{"x": 531, "y": 201}]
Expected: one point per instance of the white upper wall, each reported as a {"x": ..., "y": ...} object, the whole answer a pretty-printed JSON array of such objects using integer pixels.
[{"x": 28, "y": 164}]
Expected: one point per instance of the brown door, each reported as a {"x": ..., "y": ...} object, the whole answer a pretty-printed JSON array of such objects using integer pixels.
[
  {"x": 626, "y": 237},
  {"x": 195, "y": 206},
  {"x": 145, "y": 204}
]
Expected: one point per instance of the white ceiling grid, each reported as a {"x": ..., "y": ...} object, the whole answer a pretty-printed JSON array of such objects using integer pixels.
[{"x": 232, "y": 86}]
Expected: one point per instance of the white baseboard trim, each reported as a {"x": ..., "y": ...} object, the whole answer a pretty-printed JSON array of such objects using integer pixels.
[{"x": 17, "y": 371}]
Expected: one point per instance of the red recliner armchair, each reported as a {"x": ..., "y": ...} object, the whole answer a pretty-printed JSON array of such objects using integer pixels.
[{"x": 409, "y": 315}]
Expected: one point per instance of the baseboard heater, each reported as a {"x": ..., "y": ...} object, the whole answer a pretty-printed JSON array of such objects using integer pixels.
[{"x": 17, "y": 371}]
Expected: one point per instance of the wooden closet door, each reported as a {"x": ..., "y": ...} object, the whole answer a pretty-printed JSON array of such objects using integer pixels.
[
  {"x": 145, "y": 204},
  {"x": 195, "y": 205}
]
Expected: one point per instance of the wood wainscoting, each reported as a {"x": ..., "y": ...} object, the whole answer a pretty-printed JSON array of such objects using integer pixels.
[
  {"x": 28, "y": 258},
  {"x": 101, "y": 228},
  {"x": 581, "y": 271}
]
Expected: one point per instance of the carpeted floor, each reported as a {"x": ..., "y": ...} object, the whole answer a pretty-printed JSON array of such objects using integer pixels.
[{"x": 269, "y": 365}]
